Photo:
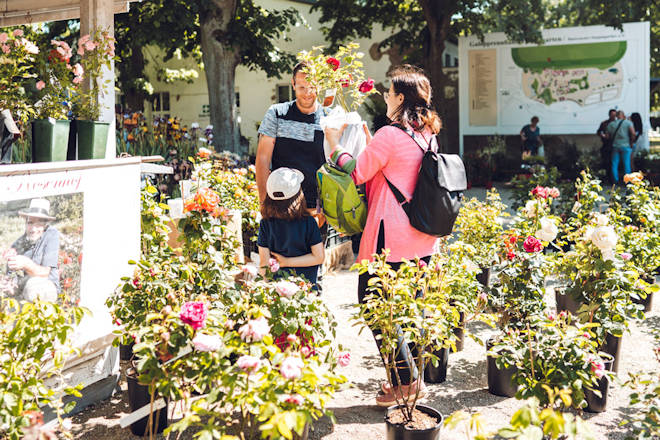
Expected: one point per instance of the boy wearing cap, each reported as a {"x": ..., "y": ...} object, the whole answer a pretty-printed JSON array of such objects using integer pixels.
[
  {"x": 36, "y": 253},
  {"x": 287, "y": 232}
]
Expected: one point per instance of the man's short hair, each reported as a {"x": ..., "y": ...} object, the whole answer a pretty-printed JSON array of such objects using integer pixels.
[
  {"x": 535, "y": 119},
  {"x": 298, "y": 68},
  {"x": 620, "y": 113},
  {"x": 611, "y": 110}
]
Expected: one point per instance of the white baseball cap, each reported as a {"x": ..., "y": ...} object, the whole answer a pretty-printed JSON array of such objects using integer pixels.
[{"x": 284, "y": 183}]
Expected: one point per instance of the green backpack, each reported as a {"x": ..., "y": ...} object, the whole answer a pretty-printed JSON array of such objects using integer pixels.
[{"x": 343, "y": 202}]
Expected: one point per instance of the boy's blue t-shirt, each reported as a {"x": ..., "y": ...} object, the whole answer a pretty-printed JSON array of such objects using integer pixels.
[{"x": 291, "y": 238}]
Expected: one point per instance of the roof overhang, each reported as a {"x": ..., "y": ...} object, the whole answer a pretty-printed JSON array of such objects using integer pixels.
[{"x": 17, "y": 12}]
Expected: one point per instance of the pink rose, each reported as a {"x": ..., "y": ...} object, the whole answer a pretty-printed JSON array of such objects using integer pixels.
[
  {"x": 286, "y": 288},
  {"x": 540, "y": 192},
  {"x": 562, "y": 314},
  {"x": 90, "y": 45},
  {"x": 18, "y": 32},
  {"x": 291, "y": 368},
  {"x": 422, "y": 264},
  {"x": 306, "y": 351},
  {"x": 483, "y": 297},
  {"x": 254, "y": 330},
  {"x": 5, "y": 48},
  {"x": 250, "y": 271},
  {"x": 553, "y": 192},
  {"x": 248, "y": 363},
  {"x": 4, "y": 37},
  {"x": 40, "y": 85},
  {"x": 531, "y": 245},
  {"x": 334, "y": 63},
  {"x": 296, "y": 399},
  {"x": 586, "y": 335},
  {"x": 344, "y": 359},
  {"x": 292, "y": 339},
  {"x": 194, "y": 313},
  {"x": 204, "y": 342},
  {"x": 78, "y": 70},
  {"x": 598, "y": 368},
  {"x": 77, "y": 80},
  {"x": 366, "y": 86},
  {"x": 552, "y": 316},
  {"x": 273, "y": 265},
  {"x": 626, "y": 256}
]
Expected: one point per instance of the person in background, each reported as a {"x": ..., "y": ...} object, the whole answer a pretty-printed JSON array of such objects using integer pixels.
[
  {"x": 638, "y": 142},
  {"x": 393, "y": 153},
  {"x": 287, "y": 232},
  {"x": 531, "y": 137},
  {"x": 36, "y": 253},
  {"x": 606, "y": 147},
  {"x": 622, "y": 133}
]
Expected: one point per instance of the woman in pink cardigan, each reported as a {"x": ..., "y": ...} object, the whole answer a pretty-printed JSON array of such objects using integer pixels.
[{"x": 392, "y": 153}]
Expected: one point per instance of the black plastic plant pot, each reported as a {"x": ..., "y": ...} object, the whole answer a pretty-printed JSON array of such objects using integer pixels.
[
  {"x": 138, "y": 396},
  {"x": 400, "y": 432},
  {"x": 437, "y": 374},
  {"x": 459, "y": 332},
  {"x": 484, "y": 276},
  {"x": 596, "y": 404},
  {"x": 646, "y": 302},
  {"x": 566, "y": 302},
  {"x": 126, "y": 351},
  {"x": 500, "y": 381},
  {"x": 612, "y": 346}
]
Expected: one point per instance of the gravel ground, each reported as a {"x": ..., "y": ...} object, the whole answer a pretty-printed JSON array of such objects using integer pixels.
[{"x": 465, "y": 388}]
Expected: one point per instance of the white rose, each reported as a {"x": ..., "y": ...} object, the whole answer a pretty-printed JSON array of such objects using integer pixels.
[
  {"x": 587, "y": 233},
  {"x": 600, "y": 219},
  {"x": 604, "y": 238},
  {"x": 608, "y": 254},
  {"x": 548, "y": 231},
  {"x": 530, "y": 208}
]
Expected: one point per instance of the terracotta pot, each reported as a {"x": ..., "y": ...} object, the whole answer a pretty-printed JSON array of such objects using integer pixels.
[{"x": 398, "y": 432}]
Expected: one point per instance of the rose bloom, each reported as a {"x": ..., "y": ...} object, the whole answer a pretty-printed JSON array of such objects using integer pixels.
[
  {"x": 18, "y": 32},
  {"x": 254, "y": 330},
  {"x": 553, "y": 192},
  {"x": 273, "y": 265},
  {"x": 483, "y": 297},
  {"x": 40, "y": 85},
  {"x": 5, "y": 48},
  {"x": 30, "y": 47},
  {"x": 296, "y": 399},
  {"x": 540, "y": 192},
  {"x": 78, "y": 70},
  {"x": 633, "y": 177},
  {"x": 291, "y": 368},
  {"x": 366, "y": 86},
  {"x": 531, "y": 245},
  {"x": 598, "y": 368},
  {"x": 248, "y": 363},
  {"x": 194, "y": 313},
  {"x": 4, "y": 37},
  {"x": 626, "y": 256},
  {"x": 204, "y": 342},
  {"x": 204, "y": 153},
  {"x": 600, "y": 219},
  {"x": 286, "y": 288},
  {"x": 344, "y": 359},
  {"x": 333, "y": 62},
  {"x": 607, "y": 254},
  {"x": 548, "y": 231},
  {"x": 530, "y": 208},
  {"x": 552, "y": 316},
  {"x": 604, "y": 238},
  {"x": 250, "y": 271}
]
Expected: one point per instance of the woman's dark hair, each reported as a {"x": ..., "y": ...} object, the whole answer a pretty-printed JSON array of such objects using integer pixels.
[
  {"x": 636, "y": 119},
  {"x": 416, "y": 109},
  {"x": 288, "y": 209}
]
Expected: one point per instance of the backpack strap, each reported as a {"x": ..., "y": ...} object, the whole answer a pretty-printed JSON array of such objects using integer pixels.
[{"x": 410, "y": 133}]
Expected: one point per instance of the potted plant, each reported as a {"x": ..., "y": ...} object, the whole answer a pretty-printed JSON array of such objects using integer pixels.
[
  {"x": 554, "y": 352},
  {"x": 56, "y": 78},
  {"x": 479, "y": 224},
  {"x": 516, "y": 296},
  {"x": 342, "y": 79},
  {"x": 393, "y": 307},
  {"x": 97, "y": 51}
]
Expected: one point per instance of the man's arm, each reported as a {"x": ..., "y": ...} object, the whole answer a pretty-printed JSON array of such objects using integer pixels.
[
  {"x": 262, "y": 163},
  {"x": 31, "y": 268}
]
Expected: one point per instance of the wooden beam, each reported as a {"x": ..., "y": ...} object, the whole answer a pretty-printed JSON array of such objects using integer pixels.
[{"x": 66, "y": 10}]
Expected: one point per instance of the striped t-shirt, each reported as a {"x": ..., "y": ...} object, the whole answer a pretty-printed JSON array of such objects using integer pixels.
[{"x": 298, "y": 142}]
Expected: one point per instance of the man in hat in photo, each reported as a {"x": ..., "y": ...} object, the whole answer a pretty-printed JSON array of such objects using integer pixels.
[{"x": 35, "y": 253}]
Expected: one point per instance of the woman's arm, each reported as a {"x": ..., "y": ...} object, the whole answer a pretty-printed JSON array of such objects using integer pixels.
[
  {"x": 264, "y": 258},
  {"x": 314, "y": 258}
]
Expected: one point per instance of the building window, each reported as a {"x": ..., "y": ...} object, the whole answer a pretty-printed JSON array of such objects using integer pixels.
[
  {"x": 284, "y": 93},
  {"x": 238, "y": 99},
  {"x": 161, "y": 101},
  {"x": 455, "y": 62},
  {"x": 447, "y": 60}
]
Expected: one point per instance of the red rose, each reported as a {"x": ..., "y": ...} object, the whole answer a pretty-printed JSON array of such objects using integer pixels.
[
  {"x": 347, "y": 81},
  {"x": 194, "y": 313},
  {"x": 511, "y": 255},
  {"x": 540, "y": 192},
  {"x": 553, "y": 192},
  {"x": 532, "y": 245},
  {"x": 334, "y": 63},
  {"x": 366, "y": 86}
]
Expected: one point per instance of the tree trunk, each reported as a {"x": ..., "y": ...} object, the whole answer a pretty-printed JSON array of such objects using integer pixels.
[
  {"x": 220, "y": 62},
  {"x": 135, "y": 96},
  {"x": 438, "y": 15}
]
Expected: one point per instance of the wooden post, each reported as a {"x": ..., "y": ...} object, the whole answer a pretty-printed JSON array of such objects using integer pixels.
[{"x": 99, "y": 14}]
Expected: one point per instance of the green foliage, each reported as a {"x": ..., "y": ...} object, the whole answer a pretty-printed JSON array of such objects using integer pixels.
[
  {"x": 553, "y": 352},
  {"x": 16, "y": 60},
  {"x": 34, "y": 344},
  {"x": 479, "y": 225},
  {"x": 97, "y": 51}
]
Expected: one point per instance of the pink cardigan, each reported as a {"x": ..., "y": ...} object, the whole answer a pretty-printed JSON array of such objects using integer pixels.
[{"x": 394, "y": 154}]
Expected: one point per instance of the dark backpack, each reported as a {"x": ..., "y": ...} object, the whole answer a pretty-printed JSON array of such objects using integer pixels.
[{"x": 438, "y": 194}]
